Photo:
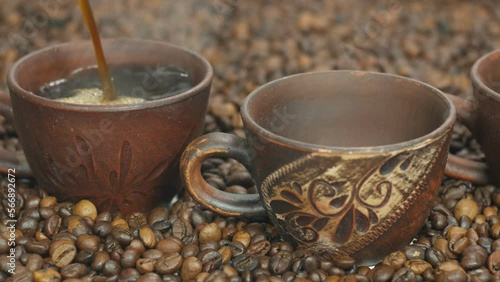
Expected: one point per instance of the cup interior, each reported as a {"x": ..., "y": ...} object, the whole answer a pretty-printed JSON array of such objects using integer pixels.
[
  {"x": 59, "y": 61},
  {"x": 347, "y": 109},
  {"x": 487, "y": 71}
]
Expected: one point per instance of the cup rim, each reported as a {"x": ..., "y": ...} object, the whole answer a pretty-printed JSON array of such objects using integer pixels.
[
  {"x": 476, "y": 77},
  {"x": 271, "y": 137},
  {"x": 45, "y": 102}
]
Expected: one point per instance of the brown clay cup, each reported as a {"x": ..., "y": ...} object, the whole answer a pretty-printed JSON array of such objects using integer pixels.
[
  {"x": 347, "y": 163},
  {"x": 482, "y": 117},
  {"x": 120, "y": 157}
]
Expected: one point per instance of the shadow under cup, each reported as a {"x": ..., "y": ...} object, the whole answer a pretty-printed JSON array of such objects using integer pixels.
[{"x": 120, "y": 157}]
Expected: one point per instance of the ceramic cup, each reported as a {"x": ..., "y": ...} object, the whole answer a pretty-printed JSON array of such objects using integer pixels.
[
  {"x": 482, "y": 117},
  {"x": 121, "y": 157},
  {"x": 347, "y": 163}
]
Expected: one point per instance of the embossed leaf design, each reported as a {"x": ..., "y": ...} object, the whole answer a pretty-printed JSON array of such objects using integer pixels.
[
  {"x": 122, "y": 191},
  {"x": 375, "y": 189},
  {"x": 125, "y": 161},
  {"x": 362, "y": 221},
  {"x": 345, "y": 227},
  {"x": 325, "y": 197},
  {"x": 283, "y": 207}
]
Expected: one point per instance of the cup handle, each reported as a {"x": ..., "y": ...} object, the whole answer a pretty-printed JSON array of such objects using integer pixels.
[
  {"x": 11, "y": 161},
  {"x": 218, "y": 145},
  {"x": 458, "y": 167}
]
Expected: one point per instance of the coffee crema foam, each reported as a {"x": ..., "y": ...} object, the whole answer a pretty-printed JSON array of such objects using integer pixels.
[{"x": 95, "y": 96}]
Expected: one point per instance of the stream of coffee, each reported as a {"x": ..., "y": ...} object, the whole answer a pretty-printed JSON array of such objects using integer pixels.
[{"x": 109, "y": 92}]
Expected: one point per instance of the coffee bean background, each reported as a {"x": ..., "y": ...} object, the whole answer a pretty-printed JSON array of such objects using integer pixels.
[{"x": 250, "y": 43}]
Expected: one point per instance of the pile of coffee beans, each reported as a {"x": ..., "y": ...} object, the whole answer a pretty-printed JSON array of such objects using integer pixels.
[
  {"x": 57, "y": 241},
  {"x": 250, "y": 43}
]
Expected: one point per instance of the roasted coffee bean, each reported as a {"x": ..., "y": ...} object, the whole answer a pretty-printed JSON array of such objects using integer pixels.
[
  {"x": 52, "y": 225},
  {"x": 418, "y": 266},
  {"x": 482, "y": 229},
  {"x": 85, "y": 208},
  {"x": 74, "y": 270},
  {"x": 344, "y": 262},
  {"x": 170, "y": 245},
  {"x": 216, "y": 181},
  {"x": 88, "y": 242},
  {"x": 225, "y": 253},
  {"x": 46, "y": 212},
  {"x": 62, "y": 253},
  {"x": 297, "y": 265},
  {"x": 152, "y": 254},
  {"x": 47, "y": 275},
  {"x": 103, "y": 216},
  {"x": 228, "y": 232},
  {"x": 4, "y": 244},
  {"x": 84, "y": 257},
  {"x": 171, "y": 278},
  {"x": 38, "y": 247},
  {"x": 486, "y": 243},
  {"x": 237, "y": 248},
  {"x": 111, "y": 268},
  {"x": 198, "y": 218},
  {"x": 100, "y": 259},
  {"x": 35, "y": 262},
  {"x": 280, "y": 262},
  {"x": 148, "y": 237},
  {"x": 122, "y": 235},
  {"x": 129, "y": 258},
  {"x": 242, "y": 178},
  {"x": 382, "y": 272},
  {"x": 494, "y": 262},
  {"x": 245, "y": 262},
  {"x": 317, "y": 275},
  {"x": 129, "y": 274},
  {"x": 264, "y": 261},
  {"x": 153, "y": 277},
  {"x": 473, "y": 257},
  {"x": 190, "y": 250},
  {"x": 403, "y": 274},
  {"x": 210, "y": 233},
  {"x": 480, "y": 274},
  {"x": 434, "y": 257},
  {"x": 117, "y": 254},
  {"x": 191, "y": 267},
  {"x": 260, "y": 248},
  {"x": 145, "y": 265},
  {"x": 77, "y": 225},
  {"x": 259, "y": 272},
  {"x": 236, "y": 189},
  {"x": 137, "y": 246},
  {"x": 243, "y": 237},
  {"x": 458, "y": 243},
  {"x": 454, "y": 275},
  {"x": 495, "y": 246},
  {"x": 137, "y": 220},
  {"x": 288, "y": 276},
  {"x": 229, "y": 271},
  {"x": 442, "y": 245},
  {"x": 414, "y": 252},
  {"x": 311, "y": 264},
  {"x": 169, "y": 263},
  {"x": 212, "y": 245},
  {"x": 210, "y": 256},
  {"x": 183, "y": 230},
  {"x": 102, "y": 229}
]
